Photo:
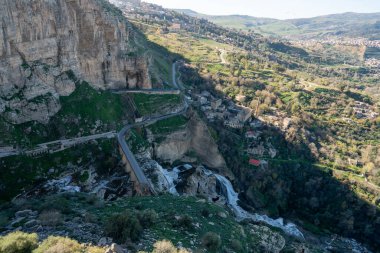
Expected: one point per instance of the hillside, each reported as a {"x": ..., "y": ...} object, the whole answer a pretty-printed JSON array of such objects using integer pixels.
[
  {"x": 171, "y": 127},
  {"x": 346, "y": 24}
]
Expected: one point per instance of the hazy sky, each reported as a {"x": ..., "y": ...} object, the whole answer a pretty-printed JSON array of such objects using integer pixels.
[{"x": 281, "y": 9}]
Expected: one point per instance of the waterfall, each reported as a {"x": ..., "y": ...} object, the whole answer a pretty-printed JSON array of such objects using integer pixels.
[
  {"x": 232, "y": 201},
  {"x": 232, "y": 198},
  {"x": 171, "y": 177}
]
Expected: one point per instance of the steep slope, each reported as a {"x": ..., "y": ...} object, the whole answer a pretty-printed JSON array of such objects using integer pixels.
[{"x": 45, "y": 44}]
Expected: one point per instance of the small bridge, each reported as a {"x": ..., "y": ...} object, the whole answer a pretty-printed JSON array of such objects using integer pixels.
[{"x": 140, "y": 182}]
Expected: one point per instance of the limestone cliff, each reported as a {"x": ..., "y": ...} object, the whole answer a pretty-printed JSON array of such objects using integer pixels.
[
  {"x": 44, "y": 43},
  {"x": 195, "y": 138}
]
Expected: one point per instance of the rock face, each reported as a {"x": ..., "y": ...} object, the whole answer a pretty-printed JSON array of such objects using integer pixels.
[
  {"x": 44, "y": 44},
  {"x": 193, "y": 139}
]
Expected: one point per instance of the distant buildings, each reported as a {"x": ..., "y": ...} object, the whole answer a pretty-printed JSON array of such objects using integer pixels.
[
  {"x": 363, "y": 110},
  {"x": 233, "y": 116}
]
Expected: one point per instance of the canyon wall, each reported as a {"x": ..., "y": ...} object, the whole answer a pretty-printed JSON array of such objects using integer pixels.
[{"x": 44, "y": 44}]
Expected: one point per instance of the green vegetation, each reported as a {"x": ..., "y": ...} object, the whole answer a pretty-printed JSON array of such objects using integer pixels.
[
  {"x": 189, "y": 47},
  {"x": 347, "y": 24},
  {"x": 158, "y": 218},
  {"x": 169, "y": 125},
  {"x": 152, "y": 104},
  {"x": 22, "y": 172},
  {"x": 18, "y": 242},
  {"x": 319, "y": 91},
  {"x": 137, "y": 141},
  {"x": 86, "y": 111}
]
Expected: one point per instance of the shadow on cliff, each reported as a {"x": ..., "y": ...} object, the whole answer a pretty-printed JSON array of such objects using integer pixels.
[{"x": 294, "y": 185}]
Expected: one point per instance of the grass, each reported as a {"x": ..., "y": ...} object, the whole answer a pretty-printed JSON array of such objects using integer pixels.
[
  {"x": 137, "y": 141},
  {"x": 167, "y": 207},
  {"x": 191, "y": 48},
  {"x": 151, "y": 104},
  {"x": 169, "y": 125},
  {"x": 86, "y": 110}
]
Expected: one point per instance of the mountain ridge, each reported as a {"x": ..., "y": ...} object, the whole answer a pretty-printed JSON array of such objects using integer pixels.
[{"x": 350, "y": 24}]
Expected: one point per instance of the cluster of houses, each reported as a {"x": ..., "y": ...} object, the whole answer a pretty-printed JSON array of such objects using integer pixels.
[
  {"x": 364, "y": 111},
  {"x": 236, "y": 117},
  {"x": 225, "y": 110}
]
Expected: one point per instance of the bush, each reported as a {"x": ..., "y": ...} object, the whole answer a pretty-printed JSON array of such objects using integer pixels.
[
  {"x": 51, "y": 218},
  {"x": 211, "y": 241},
  {"x": 185, "y": 221},
  {"x": 236, "y": 245},
  {"x": 147, "y": 218},
  {"x": 54, "y": 244},
  {"x": 93, "y": 249},
  {"x": 167, "y": 247},
  {"x": 122, "y": 227},
  {"x": 18, "y": 242},
  {"x": 205, "y": 212}
]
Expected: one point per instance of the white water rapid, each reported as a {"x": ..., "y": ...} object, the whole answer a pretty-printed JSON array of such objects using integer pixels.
[{"x": 232, "y": 198}]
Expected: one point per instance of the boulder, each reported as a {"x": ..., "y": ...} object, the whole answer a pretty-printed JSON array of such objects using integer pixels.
[
  {"x": 116, "y": 249},
  {"x": 23, "y": 213},
  {"x": 31, "y": 224}
]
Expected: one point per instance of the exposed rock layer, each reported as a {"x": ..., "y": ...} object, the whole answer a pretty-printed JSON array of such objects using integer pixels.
[
  {"x": 44, "y": 42},
  {"x": 195, "y": 138}
]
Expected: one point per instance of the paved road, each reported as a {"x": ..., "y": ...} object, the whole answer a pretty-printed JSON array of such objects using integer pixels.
[
  {"x": 56, "y": 146},
  {"x": 143, "y": 181}
]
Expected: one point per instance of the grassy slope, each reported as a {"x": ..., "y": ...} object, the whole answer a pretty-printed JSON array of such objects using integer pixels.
[
  {"x": 84, "y": 109},
  {"x": 352, "y": 24},
  {"x": 165, "y": 227},
  {"x": 151, "y": 104}
]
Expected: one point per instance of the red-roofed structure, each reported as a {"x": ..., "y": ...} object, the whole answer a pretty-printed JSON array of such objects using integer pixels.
[{"x": 254, "y": 162}]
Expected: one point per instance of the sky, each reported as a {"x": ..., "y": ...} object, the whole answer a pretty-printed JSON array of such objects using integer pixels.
[{"x": 280, "y": 9}]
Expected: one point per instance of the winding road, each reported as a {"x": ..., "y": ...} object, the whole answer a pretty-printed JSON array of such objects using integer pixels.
[{"x": 139, "y": 173}]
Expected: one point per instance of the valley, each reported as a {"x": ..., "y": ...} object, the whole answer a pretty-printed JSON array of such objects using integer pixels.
[{"x": 171, "y": 127}]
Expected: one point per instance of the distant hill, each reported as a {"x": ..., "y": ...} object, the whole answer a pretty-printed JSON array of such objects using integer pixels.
[{"x": 346, "y": 24}]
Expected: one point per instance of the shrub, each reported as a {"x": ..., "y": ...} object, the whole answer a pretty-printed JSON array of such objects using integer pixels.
[
  {"x": 122, "y": 227},
  {"x": 211, "y": 241},
  {"x": 51, "y": 218},
  {"x": 93, "y": 249},
  {"x": 205, "y": 212},
  {"x": 147, "y": 218},
  {"x": 18, "y": 242},
  {"x": 55, "y": 244},
  {"x": 236, "y": 245},
  {"x": 167, "y": 247},
  {"x": 185, "y": 221}
]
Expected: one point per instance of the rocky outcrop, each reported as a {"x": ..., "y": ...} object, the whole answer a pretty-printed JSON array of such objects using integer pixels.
[
  {"x": 193, "y": 139},
  {"x": 44, "y": 44}
]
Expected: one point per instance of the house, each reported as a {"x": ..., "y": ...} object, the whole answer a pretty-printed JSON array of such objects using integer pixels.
[
  {"x": 252, "y": 134},
  {"x": 245, "y": 114},
  {"x": 139, "y": 120},
  {"x": 175, "y": 27},
  {"x": 233, "y": 123},
  {"x": 254, "y": 162}
]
